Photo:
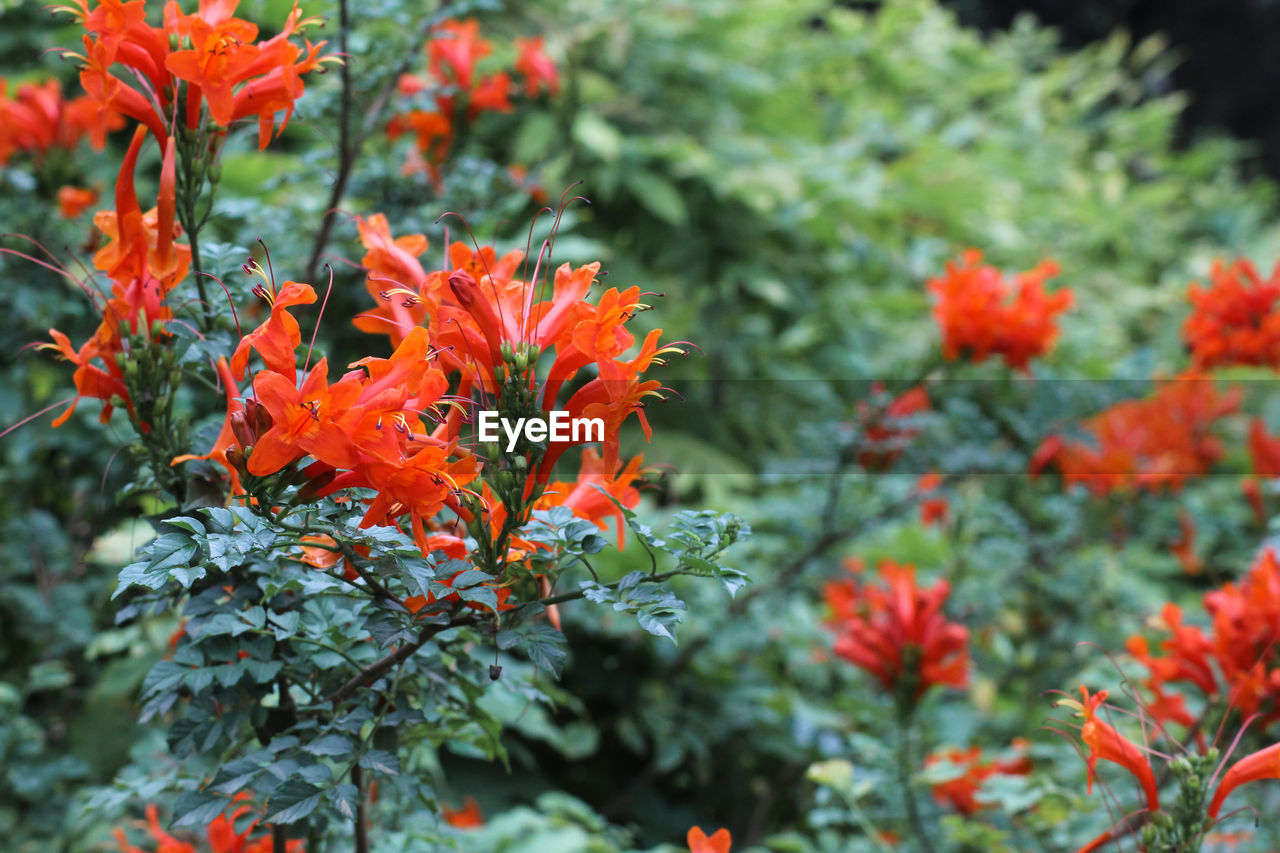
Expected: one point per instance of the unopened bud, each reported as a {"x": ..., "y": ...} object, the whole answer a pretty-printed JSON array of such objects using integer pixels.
[
  {"x": 236, "y": 457},
  {"x": 258, "y": 416},
  {"x": 314, "y": 487},
  {"x": 464, "y": 287},
  {"x": 241, "y": 429}
]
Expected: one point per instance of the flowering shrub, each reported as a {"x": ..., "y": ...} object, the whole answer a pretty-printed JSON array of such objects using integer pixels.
[{"x": 275, "y": 582}]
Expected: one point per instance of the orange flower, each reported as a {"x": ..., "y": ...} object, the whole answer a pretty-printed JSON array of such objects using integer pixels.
[
  {"x": 136, "y": 69},
  {"x": 39, "y": 118},
  {"x": 932, "y": 510},
  {"x": 1263, "y": 764},
  {"x": 72, "y": 200},
  {"x": 886, "y": 430},
  {"x": 144, "y": 264},
  {"x": 585, "y": 496},
  {"x": 979, "y": 314},
  {"x": 961, "y": 792},
  {"x": 277, "y": 339},
  {"x": 460, "y": 92},
  {"x": 1152, "y": 443},
  {"x": 699, "y": 842},
  {"x": 220, "y": 834},
  {"x": 1265, "y": 453},
  {"x": 898, "y": 632},
  {"x": 305, "y": 421},
  {"x": 536, "y": 67},
  {"x": 1236, "y": 320},
  {"x": 1184, "y": 548},
  {"x": 467, "y": 817},
  {"x": 1106, "y": 744}
]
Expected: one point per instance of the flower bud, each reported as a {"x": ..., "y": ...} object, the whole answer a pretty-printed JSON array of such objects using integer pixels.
[
  {"x": 240, "y": 428},
  {"x": 258, "y": 416},
  {"x": 236, "y": 457},
  {"x": 314, "y": 486}
]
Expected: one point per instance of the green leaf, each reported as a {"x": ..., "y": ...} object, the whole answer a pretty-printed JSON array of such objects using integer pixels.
[
  {"x": 597, "y": 136},
  {"x": 198, "y": 808},
  {"x": 658, "y": 196},
  {"x": 381, "y": 761},
  {"x": 171, "y": 551},
  {"x": 292, "y": 801}
]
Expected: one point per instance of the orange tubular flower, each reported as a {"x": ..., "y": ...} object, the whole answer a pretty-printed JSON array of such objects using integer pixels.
[
  {"x": 1263, "y": 764},
  {"x": 467, "y": 817},
  {"x": 979, "y": 314},
  {"x": 144, "y": 264},
  {"x": 585, "y": 498},
  {"x": 1184, "y": 548},
  {"x": 1265, "y": 453},
  {"x": 700, "y": 842},
  {"x": 39, "y": 119},
  {"x": 961, "y": 792},
  {"x": 536, "y": 67},
  {"x": 1236, "y": 320},
  {"x": 478, "y": 308},
  {"x": 932, "y": 510},
  {"x": 886, "y": 432},
  {"x": 1152, "y": 443},
  {"x": 460, "y": 92},
  {"x": 73, "y": 201},
  {"x": 220, "y": 834},
  {"x": 306, "y": 421},
  {"x": 1106, "y": 744},
  {"x": 898, "y": 632},
  {"x": 276, "y": 340},
  {"x": 204, "y": 64}
]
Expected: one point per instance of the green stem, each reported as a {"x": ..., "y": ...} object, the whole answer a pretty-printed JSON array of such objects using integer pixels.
[
  {"x": 361, "y": 826},
  {"x": 906, "y": 768}
]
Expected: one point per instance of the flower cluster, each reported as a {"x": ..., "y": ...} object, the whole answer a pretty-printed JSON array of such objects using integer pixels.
[
  {"x": 1196, "y": 772},
  {"x": 980, "y": 314},
  {"x": 1236, "y": 319},
  {"x": 144, "y": 263},
  {"x": 487, "y": 326},
  {"x": 700, "y": 842},
  {"x": 466, "y": 816},
  {"x": 394, "y": 425},
  {"x": 38, "y": 118},
  {"x": 221, "y": 835},
  {"x": 364, "y": 430},
  {"x": 1264, "y": 451},
  {"x": 973, "y": 769},
  {"x": 194, "y": 68},
  {"x": 898, "y": 633},
  {"x": 887, "y": 425},
  {"x": 1151, "y": 443},
  {"x": 1236, "y": 661},
  {"x": 459, "y": 92}
]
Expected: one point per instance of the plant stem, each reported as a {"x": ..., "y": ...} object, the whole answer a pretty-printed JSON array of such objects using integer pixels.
[
  {"x": 278, "y": 842},
  {"x": 349, "y": 142},
  {"x": 905, "y": 769},
  {"x": 197, "y": 267},
  {"x": 361, "y": 827},
  {"x": 346, "y": 150}
]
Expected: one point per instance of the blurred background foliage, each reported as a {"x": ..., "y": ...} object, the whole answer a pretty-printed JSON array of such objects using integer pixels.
[{"x": 786, "y": 175}]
